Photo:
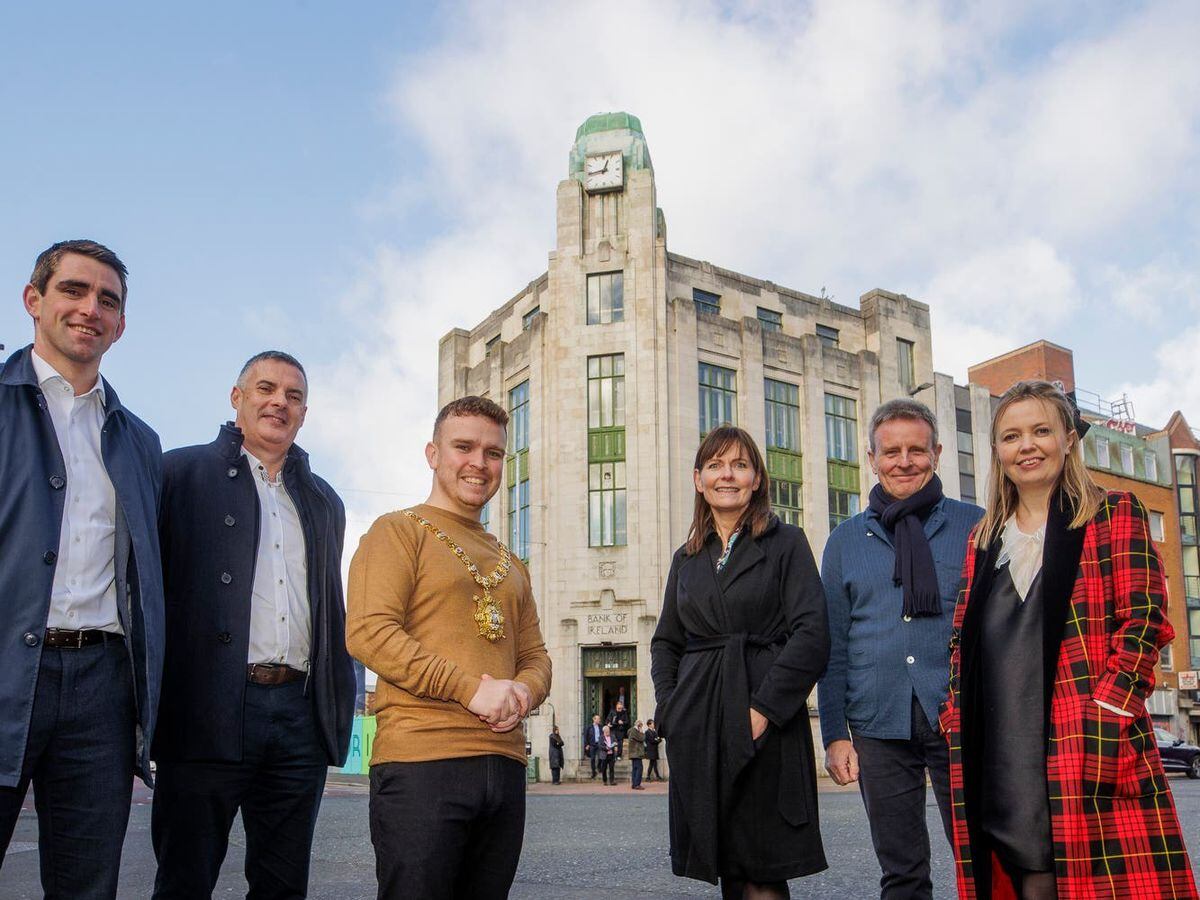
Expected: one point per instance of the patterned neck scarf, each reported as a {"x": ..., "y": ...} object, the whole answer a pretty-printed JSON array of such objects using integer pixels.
[{"x": 721, "y": 563}]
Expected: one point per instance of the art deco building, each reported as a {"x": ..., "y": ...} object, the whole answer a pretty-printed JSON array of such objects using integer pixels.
[{"x": 615, "y": 360}]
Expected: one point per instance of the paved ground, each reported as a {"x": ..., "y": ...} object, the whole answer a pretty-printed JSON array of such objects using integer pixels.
[{"x": 578, "y": 838}]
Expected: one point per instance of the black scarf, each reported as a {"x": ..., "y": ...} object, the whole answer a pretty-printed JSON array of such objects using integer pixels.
[{"x": 914, "y": 560}]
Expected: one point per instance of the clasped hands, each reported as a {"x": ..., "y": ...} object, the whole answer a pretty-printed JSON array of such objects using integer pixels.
[{"x": 500, "y": 703}]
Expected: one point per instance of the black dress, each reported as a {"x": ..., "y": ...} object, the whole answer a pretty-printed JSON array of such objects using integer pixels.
[
  {"x": 754, "y": 634},
  {"x": 1014, "y": 806}
]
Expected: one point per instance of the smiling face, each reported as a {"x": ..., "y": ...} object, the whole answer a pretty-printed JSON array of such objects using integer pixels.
[
  {"x": 270, "y": 404},
  {"x": 1032, "y": 444},
  {"x": 904, "y": 456},
  {"x": 78, "y": 317},
  {"x": 467, "y": 458},
  {"x": 727, "y": 481}
]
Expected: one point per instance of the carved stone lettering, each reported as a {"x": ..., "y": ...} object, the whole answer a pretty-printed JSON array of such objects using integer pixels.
[{"x": 608, "y": 625}]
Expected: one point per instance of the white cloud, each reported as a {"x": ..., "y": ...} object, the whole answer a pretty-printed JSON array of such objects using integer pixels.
[
  {"x": 1174, "y": 385},
  {"x": 983, "y": 158}
]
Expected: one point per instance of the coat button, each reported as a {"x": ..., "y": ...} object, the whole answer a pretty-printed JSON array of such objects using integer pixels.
[
  {"x": 57, "y": 482},
  {"x": 910, "y": 660},
  {"x": 908, "y": 618},
  {"x": 232, "y": 472},
  {"x": 49, "y": 557},
  {"x": 31, "y": 639},
  {"x": 229, "y": 520},
  {"x": 224, "y": 637},
  {"x": 226, "y": 578}
]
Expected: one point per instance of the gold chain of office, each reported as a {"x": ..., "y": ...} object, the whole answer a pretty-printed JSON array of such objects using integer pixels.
[{"x": 488, "y": 616}]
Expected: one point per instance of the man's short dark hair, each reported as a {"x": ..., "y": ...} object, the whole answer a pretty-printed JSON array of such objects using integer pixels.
[
  {"x": 277, "y": 356},
  {"x": 48, "y": 260},
  {"x": 902, "y": 409},
  {"x": 471, "y": 406}
]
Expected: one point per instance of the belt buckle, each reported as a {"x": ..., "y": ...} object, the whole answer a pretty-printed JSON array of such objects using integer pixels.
[{"x": 78, "y": 640}]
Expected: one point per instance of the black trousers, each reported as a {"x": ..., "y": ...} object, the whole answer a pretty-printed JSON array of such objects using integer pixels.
[
  {"x": 448, "y": 829},
  {"x": 277, "y": 786},
  {"x": 891, "y": 779},
  {"x": 652, "y": 769},
  {"x": 79, "y": 755}
]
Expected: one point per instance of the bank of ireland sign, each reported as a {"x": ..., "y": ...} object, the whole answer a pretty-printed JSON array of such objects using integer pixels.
[{"x": 608, "y": 625}]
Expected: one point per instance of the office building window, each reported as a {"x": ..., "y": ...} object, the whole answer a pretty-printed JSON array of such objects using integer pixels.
[
  {"x": 517, "y": 470},
  {"x": 485, "y": 516},
  {"x": 527, "y": 319},
  {"x": 1191, "y": 574},
  {"x": 1126, "y": 459},
  {"x": 828, "y": 336},
  {"x": 490, "y": 347},
  {"x": 787, "y": 501},
  {"x": 907, "y": 366},
  {"x": 1102, "y": 459},
  {"x": 841, "y": 428},
  {"x": 782, "y": 414},
  {"x": 966, "y": 447},
  {"x": 1157, "y": 526},
  {"x": 1185, "y": 478},
  {"x": 605, "y": 298},
  {"x": 785, "y": 464},
  {"x": 706, "y": 302},
  {"x": 1151, "y": 463},
  {"x": 606, "y": 451},
  {"x": 841, "y": 443},
  {"x": 1166, "y": 658},
  {"x": 1194, "y": 643},
  {"x": 718, "y": 397},
  {"x": 770, "y": 320}
]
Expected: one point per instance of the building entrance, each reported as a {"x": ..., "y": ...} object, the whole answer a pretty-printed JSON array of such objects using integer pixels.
[{"x": 609, "y": 675}]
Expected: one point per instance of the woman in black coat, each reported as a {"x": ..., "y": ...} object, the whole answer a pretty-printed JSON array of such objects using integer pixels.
[
  {"x": 742, "y": 640},
  {"x": 556, "y": 755}
]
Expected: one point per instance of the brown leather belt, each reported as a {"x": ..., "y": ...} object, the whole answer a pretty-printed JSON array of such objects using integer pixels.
[
  {"x": 263, "y": 673},
  {"x": 66, "y": 639}
]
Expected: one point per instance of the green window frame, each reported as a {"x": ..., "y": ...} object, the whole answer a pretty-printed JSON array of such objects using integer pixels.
[
  {"x": 605, "y": 298},
  {"x": 841, "y": 428},
  {"x": 906, "y": 364},
  {"x": 517, "y": 471},
  {"x": 718, "y": 397},
  {"x": 607, "y": 511}
]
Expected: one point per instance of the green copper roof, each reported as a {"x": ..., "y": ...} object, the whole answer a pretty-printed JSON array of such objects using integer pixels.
[{"x": 610, "y": 121}]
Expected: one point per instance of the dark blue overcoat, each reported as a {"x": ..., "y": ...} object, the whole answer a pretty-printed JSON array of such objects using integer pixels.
[
  {"x": 33, "y": 479},
  {"x": 209, "y": 526}
]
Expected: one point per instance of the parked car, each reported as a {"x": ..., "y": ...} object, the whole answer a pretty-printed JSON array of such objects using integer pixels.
[{"x": 1177, "y": 754}]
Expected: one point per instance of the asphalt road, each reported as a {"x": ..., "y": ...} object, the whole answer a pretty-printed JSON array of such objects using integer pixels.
[{"x": 577, "y": 840}]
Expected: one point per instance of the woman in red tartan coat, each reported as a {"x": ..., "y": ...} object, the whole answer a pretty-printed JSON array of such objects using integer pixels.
[{"x": 1098, "y": 600}]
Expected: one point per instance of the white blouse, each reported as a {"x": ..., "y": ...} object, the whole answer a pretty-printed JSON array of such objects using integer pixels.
[{"x": 1023, "y": 554}]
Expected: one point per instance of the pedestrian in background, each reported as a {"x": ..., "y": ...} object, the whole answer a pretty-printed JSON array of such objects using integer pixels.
[
  {"x": 593, "y": 745},
  {"x": 1058, "y": 786},
  {"x": 652, "y": 740},
  {"x": 608, "y": 750},
  {"x": 637, "y": 752},
  {"x": 744, "y": 604},
  {"x": 556, "y": 755},
  {"x": 618, "y": 721}
]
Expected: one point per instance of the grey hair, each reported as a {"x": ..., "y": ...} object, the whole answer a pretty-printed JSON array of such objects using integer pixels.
[
  {"x": 902, "y": 409},
  {"x": 276, "y": 355}
]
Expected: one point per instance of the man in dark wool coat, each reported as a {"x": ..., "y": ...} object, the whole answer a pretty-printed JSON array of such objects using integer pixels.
[
  {"x": 740, "y": 645},
  {"x": 80, "y": 584},
  {"x": 259, "y": 689}
]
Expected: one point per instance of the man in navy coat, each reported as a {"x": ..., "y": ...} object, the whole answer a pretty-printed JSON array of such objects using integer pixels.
[
  {"x": 80, "y": 583},
  {"x": 258, "y": 691}
]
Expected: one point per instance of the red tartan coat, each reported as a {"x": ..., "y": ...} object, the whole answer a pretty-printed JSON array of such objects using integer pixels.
[{"x": 1112, "y": 819}]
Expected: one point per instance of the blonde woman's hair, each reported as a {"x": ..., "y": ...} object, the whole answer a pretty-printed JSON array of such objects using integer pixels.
[{"x": 1084, "y": 495}]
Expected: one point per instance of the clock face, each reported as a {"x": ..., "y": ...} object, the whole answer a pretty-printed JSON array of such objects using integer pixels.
[{"x": 604, "y": 172}]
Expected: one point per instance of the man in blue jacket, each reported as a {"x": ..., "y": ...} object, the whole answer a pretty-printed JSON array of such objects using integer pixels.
[
  {"x": 258, "y": 691},
  {"x": 80, "y": 583},
  {"x": 891, "y": 578}
]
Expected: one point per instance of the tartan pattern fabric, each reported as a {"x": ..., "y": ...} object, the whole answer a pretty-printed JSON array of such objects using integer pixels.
[{"x": 1114, "y": 827}]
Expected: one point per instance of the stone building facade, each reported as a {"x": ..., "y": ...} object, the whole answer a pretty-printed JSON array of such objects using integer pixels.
[{"x": 616, "y": 359}]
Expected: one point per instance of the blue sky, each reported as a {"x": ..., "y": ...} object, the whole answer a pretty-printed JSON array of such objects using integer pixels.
[{"x": 349, "y": 182}]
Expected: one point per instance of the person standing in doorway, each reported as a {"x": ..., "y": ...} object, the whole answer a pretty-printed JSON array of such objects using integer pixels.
[
  {"x": 593, "y": 745},
  {"x": 608, "y": 748},
  {"x": 618, "y": 721}
]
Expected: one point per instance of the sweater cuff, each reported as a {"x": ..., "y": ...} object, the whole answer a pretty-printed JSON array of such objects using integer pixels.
[{"x": 465, "y": 689}]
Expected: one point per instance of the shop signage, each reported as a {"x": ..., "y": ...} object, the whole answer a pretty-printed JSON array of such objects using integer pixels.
[{"x": 1189, "y": 681}]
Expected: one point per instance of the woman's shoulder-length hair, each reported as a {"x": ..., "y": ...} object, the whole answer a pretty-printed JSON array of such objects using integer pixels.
[
  {"x": 1083, "y": 496},
  {"x": 758, "y": 515}
]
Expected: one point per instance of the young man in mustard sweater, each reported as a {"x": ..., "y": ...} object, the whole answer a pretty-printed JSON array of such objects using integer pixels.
[{"x": 445, "y": 616}]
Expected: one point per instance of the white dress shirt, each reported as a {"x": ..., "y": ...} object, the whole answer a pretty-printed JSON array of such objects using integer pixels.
[
  {"x": 280, "y": 619},
  {"x": 84, "y": 592}
]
